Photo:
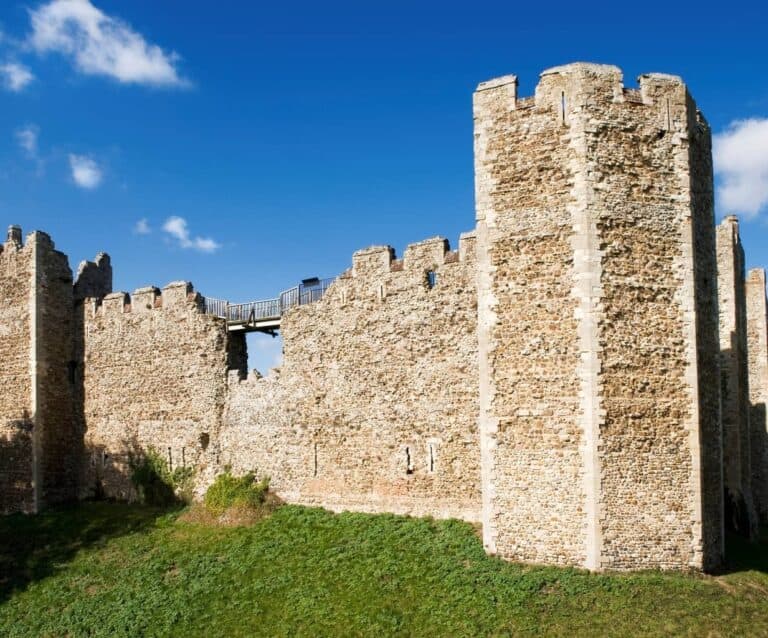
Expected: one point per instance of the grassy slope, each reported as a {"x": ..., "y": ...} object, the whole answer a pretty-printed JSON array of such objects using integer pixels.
[{"x": 118, "y": 570}]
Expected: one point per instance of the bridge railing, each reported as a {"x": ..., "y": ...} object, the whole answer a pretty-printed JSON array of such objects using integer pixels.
[
  {"x": 314, "y": 292},
  {"x": 268, "y": 308}
]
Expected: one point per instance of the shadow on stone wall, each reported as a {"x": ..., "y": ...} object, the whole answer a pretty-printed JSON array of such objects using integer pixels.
[
  {"x": 108, "y": 471},
  {"x": 738, "y": 502},
  {"x": 742, "y": 554},
  {"x": 759, "y": 443},
  {"x": 16, "y": 468}
]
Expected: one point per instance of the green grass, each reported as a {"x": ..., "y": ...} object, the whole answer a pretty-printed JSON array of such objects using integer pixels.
[{"x": 117, "y": 570}]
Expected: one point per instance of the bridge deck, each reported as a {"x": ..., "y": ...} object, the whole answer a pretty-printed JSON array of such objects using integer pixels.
[{"x": 265, "y": 315}]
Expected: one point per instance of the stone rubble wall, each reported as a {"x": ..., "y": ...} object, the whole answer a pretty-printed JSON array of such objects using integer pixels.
[
  {"x": 39, "y": 444},
  {"x": 734, "y": 376},
  {"x": 596, "y": 408},
  {"x": 657, "y": 323},
  {"x": 155, "y": 375},
  {"x": 757, "y": 350},
  {"x": 375, "y": 406},
  {"x": 531, "y": 435},
  {"x": 59, "y": 439},
  {"x": 16, "y": 481},
  {"x": 703, "y": 319}
]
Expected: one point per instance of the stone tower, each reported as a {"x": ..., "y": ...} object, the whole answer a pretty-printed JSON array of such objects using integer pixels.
[
  {"x": 757, "y": 351},
  {"x": 38, "y": 442},
  {"x": 598, "y": 347},
  {"x": 734, "y": 379}
]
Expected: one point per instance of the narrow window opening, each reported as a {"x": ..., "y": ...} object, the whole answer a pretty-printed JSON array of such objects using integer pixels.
[
  {"x": 183, "y": 457},
  {"x": 314, "y": 460},
  {"x": 408, "y": 461},
  {"x": 170, "y": 460},
  {"x": 431, "y": 279},
  {"x": 431, "y": 458},
  {"x": 381, "y": 292},
  {"x": 562, "y": 107}
]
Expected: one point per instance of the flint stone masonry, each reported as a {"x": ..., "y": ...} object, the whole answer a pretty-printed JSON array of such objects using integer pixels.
[
  {"x": 598, "y": 372},
  {"x": 734, "y": 379},
  {"x": 757, "y": 349},
  {"x": 16, "y": 480},
  {"x": 155, "y": 376},
  {"x": 39, "y": 444},
  {"x": 375, "y": 405},
  {"x": 557, "y": 378}
]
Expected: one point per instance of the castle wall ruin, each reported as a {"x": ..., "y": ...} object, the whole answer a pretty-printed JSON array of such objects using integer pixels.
[
  {"x": 556, "y": 378},
  {"x": 155, "y": 375},
  {"x": 375, "y": 405}
]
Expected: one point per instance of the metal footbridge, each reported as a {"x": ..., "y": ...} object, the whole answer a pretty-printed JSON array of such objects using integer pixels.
[{"x": 265, "y": 315}]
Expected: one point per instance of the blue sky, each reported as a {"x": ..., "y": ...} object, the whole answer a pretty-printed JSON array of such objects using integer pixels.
[{"x": 274, "y": 139}]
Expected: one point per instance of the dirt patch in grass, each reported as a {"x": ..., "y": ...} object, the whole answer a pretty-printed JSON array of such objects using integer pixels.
[{"x": 239, "y": 515}]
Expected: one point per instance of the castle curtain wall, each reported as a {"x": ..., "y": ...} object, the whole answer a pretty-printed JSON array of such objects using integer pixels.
[{"x": 375, "y": 405}]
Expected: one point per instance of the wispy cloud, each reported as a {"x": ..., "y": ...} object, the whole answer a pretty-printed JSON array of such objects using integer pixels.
[
  {"x": 15, "y": 76},
  {"x": 99, "y": 44},
  {"x": 142, "y": 227},
  {"x": 741, "y": 164},
  {"x": 177, "y": 228},
  {"x": 27, "y": 139},
  {"x": 86, "y": 173}
]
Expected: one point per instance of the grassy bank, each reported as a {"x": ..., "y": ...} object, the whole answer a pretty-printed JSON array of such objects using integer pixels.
[{"x": 117, "y": 570}]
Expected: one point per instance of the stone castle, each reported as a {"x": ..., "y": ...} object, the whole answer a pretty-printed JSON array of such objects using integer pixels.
[{"x": 587, "y": 375}]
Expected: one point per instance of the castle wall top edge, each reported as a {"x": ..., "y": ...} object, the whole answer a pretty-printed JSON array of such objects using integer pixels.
[
  {"x": 435, "y": 250},
  {"x": 580, "y": 67},
  {"x": 661, "y": 77},
  {"x": 649, "y": 88},
  {"x": 496, "y": 82}
]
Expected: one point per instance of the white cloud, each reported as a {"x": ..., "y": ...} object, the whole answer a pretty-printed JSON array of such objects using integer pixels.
[
  {"x": 142, "y": 227},
  {"x": 741, "y": 163},
  {"x": 15, "y": 76},
  {"x": 99, "y": 44},
  {"x": 177, "y": 228},
  {"x": 85, "y": 171},
  {"x": 27, "y": 137}
]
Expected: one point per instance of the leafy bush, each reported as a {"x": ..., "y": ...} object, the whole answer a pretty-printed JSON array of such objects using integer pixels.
[
  {"x": 229, "y": 491},
  {"x": 156, "y": 483}
]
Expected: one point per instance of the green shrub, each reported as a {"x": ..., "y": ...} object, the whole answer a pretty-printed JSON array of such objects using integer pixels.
[
  {"x": 229, "y": 491},
  {"x": 156, "y": 483}
]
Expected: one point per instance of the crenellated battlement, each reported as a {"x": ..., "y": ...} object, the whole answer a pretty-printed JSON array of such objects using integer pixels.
[
  {"x": 13, "y": 241},
  {"x": 94, "y": 278},
  {"x": 419, "y": 256},
  {"x": 175, "y": 296},
  {"x": 568, "y": 90}
]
